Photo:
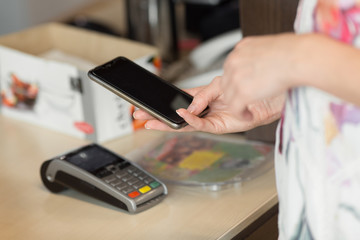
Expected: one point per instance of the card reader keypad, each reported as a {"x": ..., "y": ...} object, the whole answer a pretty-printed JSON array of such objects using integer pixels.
[{"x": 128, "y": 179}]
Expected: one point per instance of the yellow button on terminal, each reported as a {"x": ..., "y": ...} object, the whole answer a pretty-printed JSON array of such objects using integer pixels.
[{"x": 145, "y": 189}]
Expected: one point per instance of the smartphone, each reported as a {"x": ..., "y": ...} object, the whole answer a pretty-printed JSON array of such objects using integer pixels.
[{"x": 143, "y": 89}]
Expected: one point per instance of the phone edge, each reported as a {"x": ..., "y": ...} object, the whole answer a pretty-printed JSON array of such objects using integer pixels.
[{"x": 135, "y": 103}]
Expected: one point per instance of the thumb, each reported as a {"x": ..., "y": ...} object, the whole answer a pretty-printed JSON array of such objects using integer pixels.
[{"x": 204, "y": 97}]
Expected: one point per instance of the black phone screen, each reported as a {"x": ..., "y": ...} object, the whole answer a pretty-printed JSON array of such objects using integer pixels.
[{"x": 145, "y": 87}]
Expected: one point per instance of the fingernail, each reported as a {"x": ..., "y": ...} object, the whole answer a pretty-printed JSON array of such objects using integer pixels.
[
  {"x": 146, "y": 126},
  {"x": 134, "y": 115},
  {"x": 178, "y": 112},
  {"x": 191, "y": 108}
]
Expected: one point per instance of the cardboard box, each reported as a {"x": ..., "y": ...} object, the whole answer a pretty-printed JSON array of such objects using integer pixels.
[{"x": 57, "y": 94}]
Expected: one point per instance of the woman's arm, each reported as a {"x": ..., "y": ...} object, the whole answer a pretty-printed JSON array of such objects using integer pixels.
[
  {"x": 265, "y": 66},
  {"x": 258, "y": 72},
  {"x": 329, "y": 65}
]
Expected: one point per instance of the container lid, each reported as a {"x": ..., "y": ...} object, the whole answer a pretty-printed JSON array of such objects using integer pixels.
[{"x": 210, "y": 161}]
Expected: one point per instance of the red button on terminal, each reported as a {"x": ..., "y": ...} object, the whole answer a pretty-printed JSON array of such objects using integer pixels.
[{"x": 134, "y": 194}]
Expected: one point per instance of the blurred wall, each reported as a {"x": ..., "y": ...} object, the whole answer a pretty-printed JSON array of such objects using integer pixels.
[{"x": 16, "y": 15}]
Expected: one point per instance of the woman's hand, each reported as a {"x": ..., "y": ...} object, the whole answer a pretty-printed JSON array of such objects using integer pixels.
[
  {"x": 219, "y": 118},
  {"x": 259, "y": 68}
]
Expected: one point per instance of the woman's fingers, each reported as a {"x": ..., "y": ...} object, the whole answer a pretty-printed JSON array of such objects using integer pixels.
[
  {"x": 142, "y": 115},
  {"x": 205, "y": 96},
  {"x": 194, "y": 121},
  {"x": 157, "y": 125}
]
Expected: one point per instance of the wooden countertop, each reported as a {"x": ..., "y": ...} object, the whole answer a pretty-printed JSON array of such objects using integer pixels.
[{"x": 29, "y": 211}]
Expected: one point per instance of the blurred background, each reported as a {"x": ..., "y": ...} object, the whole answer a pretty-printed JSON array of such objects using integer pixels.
[
  {"x": 171, "y": 25},
  {"x": 193, "y": 36}
]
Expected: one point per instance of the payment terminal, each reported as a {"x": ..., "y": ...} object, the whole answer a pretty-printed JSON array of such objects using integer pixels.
[{"x": 102, "y": 174}]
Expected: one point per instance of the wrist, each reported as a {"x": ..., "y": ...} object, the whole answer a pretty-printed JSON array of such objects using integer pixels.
[{"x": 304, "y": 60}]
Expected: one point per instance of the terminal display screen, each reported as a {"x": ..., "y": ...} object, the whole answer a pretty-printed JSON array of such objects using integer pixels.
[{"x": 92, "y": 158}]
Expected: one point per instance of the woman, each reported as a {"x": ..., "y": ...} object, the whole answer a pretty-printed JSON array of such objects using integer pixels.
[{"x": 311, "y": 80}]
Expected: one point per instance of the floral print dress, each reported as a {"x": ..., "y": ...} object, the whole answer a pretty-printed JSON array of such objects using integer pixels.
[{"x": 318, "y": 158}]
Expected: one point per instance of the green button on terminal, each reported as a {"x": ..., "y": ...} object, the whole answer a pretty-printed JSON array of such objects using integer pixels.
[{"x": 154, "y": 184}]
